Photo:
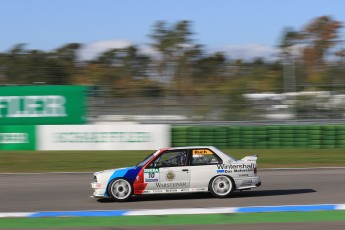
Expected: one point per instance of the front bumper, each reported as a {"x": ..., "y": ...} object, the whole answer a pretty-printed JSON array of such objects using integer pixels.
[{"x": 99, "y": 191}]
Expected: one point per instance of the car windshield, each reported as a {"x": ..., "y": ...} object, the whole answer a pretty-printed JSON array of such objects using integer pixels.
[{"x": 147, "y": 159}]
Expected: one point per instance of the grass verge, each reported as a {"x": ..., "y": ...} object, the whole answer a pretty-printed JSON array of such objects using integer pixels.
[
  {"x": 173, "y": 220},
  {"x": 89, "y": 161}
]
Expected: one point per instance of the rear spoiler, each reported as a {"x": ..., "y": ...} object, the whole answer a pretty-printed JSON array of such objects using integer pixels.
[{"x": 250, "y": 158}]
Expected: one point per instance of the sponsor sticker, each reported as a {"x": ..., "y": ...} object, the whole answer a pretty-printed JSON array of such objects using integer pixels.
[
  {"x": 96, "y": 185},
  {"x": 237, "y": 168},
  {"x": 175, "y": 190},
  {"x": 202, "y": 152},
  {"x": 151, "y": 180},
  {"x": 151, "y": 170},
  {"x": 244, "y": 175},
  {"x": 151, "y": 175},
  {"x": 224, "y": 171},
  {"x": 170, "y": 175},
  {"x": 173, "y": 185}
]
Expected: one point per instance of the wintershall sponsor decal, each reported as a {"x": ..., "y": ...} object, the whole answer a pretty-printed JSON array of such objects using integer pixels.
[
  {"x": 13, "y": 138},
  {"x": 32, "y": 106},
  {"x": 108, "y": 137},
  {"x": 172, "y": 185},
  {"x": 223, "y": 168}
]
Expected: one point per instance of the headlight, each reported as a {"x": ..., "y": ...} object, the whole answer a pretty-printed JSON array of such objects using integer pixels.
[{"x": 94, "y": 178}]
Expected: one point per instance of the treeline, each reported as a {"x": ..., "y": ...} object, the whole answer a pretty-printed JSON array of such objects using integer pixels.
[{"x": 312, "y": 56}]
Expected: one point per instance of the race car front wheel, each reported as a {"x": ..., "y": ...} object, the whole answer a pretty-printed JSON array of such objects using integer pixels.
[
  {"x": 120, "y": 190},
  {"x": 221, "y": 186}
]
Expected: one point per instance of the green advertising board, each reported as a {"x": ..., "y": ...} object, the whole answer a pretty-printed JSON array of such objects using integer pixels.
[
  {"x": 18, "y": 137},
  {"x": 40, "y": 105}
]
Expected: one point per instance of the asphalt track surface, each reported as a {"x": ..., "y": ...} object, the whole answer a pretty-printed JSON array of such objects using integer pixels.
[{"x": 72, "y": 191}]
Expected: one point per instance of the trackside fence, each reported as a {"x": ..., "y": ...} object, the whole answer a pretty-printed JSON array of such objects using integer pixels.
[{"x": 142, "y": 137}]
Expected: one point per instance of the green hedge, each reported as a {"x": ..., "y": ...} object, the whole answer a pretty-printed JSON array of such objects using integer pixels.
[{"x": 272, "y": 136}]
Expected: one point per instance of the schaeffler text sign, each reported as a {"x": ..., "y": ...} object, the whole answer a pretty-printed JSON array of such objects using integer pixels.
[
  {"x": 103, "y": 137},
  {"x": 42, "y": 104}
]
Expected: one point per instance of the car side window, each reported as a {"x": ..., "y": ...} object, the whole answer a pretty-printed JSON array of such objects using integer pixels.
[
  {"x": 204, "y": 157},
  {"x": 171, "y": 159}
]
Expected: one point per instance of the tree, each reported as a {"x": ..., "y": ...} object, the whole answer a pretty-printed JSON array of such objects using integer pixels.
[
  {"x": 289, "y": 43},
  {"x": 12, "y": 63},
  {"x": 172, "y": 43},
  {"x": 62, "y": 64},
  {"x": 211, "y": 68},
  {"x": 319, "y": 36}
]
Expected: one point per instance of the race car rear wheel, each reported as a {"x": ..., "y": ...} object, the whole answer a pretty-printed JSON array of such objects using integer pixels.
[
  {"x": 221, "y": 186},
  {"x": 120, "y": 190}
]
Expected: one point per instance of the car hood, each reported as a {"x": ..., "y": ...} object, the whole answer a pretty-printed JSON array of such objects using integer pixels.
[{"x": 112, "y": 171}]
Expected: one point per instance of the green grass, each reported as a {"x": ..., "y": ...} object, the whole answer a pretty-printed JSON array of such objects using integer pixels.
[
  {"x": 278, "y": 217},
  {"x": 89, "y": 161}
]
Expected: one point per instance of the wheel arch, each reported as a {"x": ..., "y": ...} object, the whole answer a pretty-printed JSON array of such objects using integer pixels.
[
  {"x": 108, "y": 192},
  {"x": 221, "y": 186},
  {"x": 230, "y": 177}
]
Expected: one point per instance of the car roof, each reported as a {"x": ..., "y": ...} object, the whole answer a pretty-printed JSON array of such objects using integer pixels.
[
  {"x": 191, "y": 147},
  {"x": 221, "y": 154}
]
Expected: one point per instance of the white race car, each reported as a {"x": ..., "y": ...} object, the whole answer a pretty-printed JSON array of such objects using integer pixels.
[{"x": 179, "y": 170}]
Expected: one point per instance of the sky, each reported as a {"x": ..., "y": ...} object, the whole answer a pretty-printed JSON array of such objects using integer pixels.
[{"x": 241, "y": 28}]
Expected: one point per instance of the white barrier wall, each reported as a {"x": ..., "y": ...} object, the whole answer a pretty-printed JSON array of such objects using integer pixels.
[{"x": 103, "y": 137}]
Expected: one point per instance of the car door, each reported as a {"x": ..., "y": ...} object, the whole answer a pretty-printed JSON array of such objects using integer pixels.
[
  {"x": 203, "y": 168},
  {"x": 170, "y": 173}
]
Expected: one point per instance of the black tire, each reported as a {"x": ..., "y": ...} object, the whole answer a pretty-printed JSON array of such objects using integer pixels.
[
  {"x": 221, "y": 186},
  {"x": 120, "y": 190}
]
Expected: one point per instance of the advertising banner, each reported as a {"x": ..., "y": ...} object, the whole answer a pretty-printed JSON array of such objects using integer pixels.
[
  {"x": 17, "y": 137},
  {"x": 103, "y": 137},
  {"x": 30, "y": 105}
]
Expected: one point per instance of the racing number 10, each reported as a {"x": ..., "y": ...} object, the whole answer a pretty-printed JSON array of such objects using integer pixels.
[{"x": 151, "y": 175}]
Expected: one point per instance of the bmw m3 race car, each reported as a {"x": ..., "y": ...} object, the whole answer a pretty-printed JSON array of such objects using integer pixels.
[{"x": 179, "y": 170}]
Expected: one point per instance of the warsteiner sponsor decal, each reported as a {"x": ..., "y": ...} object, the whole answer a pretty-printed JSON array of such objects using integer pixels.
[
  {"x": 201, "y": 152},
  {"x": 173, "y": 185},
  {"x": 236, "y": 168}
]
